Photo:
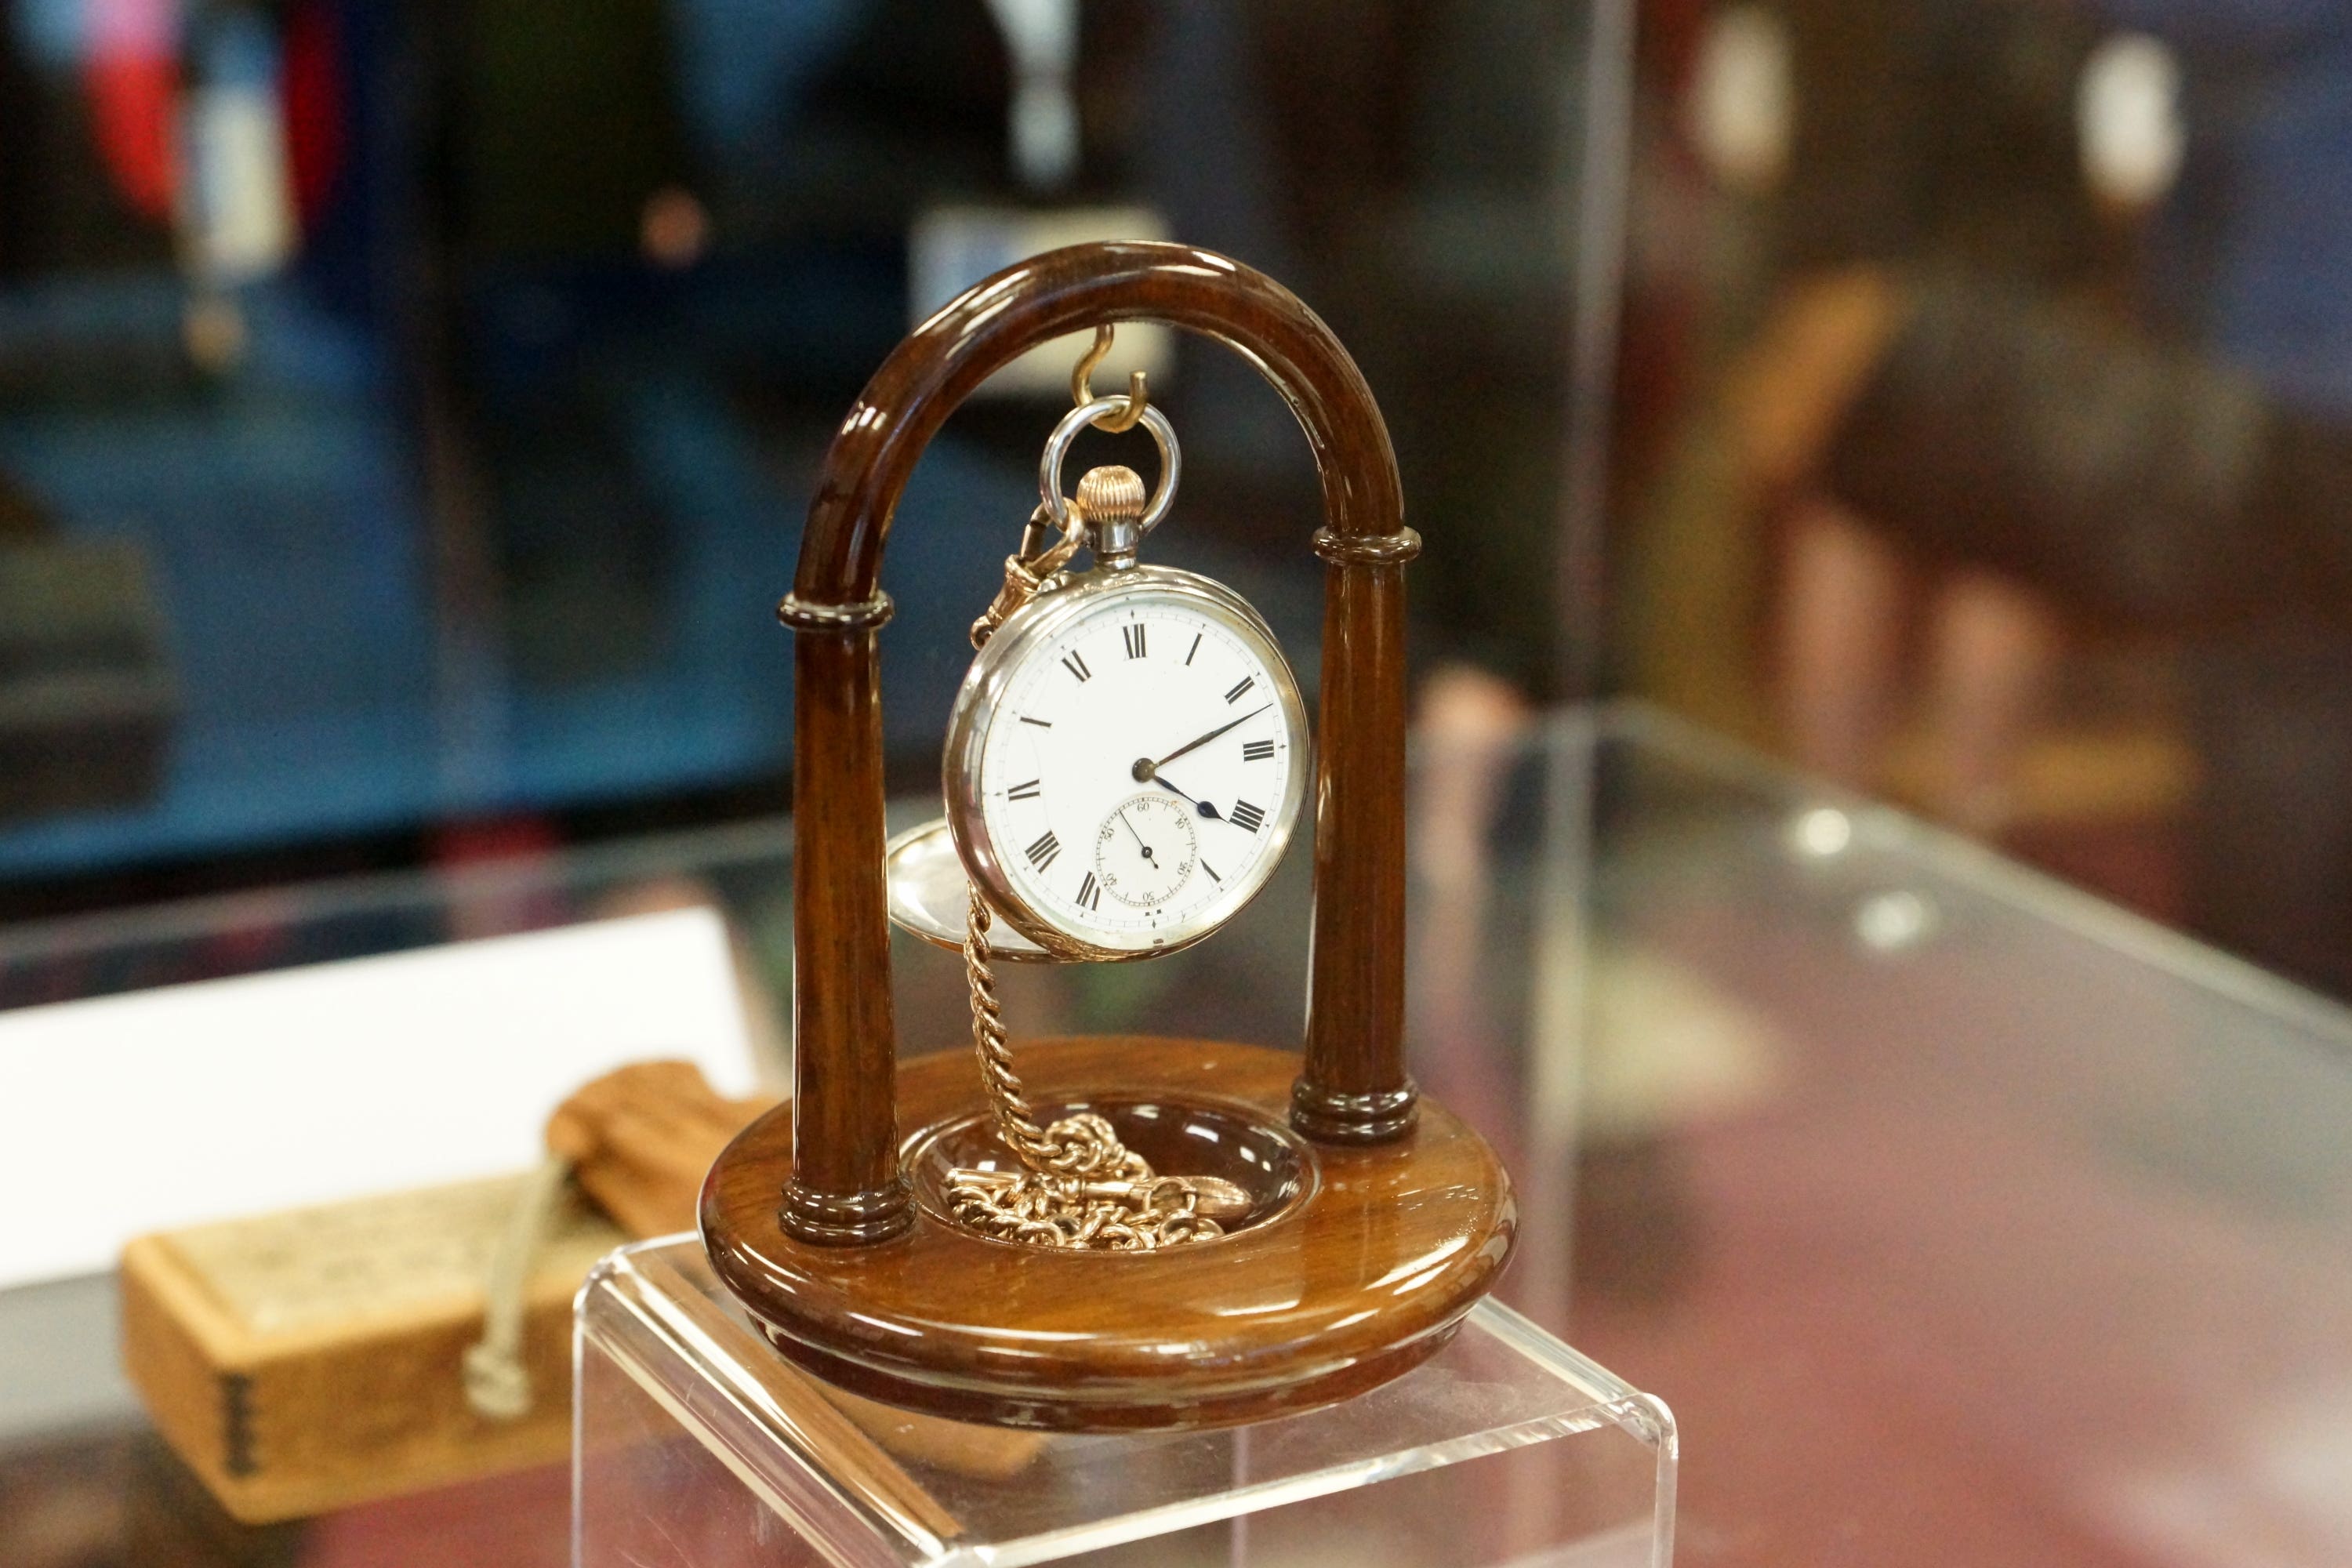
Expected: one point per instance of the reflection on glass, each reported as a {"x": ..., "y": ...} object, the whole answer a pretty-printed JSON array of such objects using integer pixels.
[{"x": 2000, "y": 444}]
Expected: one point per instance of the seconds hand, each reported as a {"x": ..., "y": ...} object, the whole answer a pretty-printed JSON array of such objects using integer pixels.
[{"x": 1140, "y": 844}]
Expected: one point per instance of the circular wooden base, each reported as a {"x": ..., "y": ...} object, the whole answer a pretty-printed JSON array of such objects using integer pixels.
[{"x": 1360, "y": 1262}]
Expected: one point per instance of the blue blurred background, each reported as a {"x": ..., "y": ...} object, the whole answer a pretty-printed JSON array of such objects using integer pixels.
[{"x": 420, "y": 403}]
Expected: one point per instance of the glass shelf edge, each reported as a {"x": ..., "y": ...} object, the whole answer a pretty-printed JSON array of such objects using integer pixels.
[{"x": 660, "y": 1301}]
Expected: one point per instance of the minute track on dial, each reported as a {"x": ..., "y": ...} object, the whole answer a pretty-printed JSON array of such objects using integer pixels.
[
  {"x": 1032, "y": 723},
  {"x": 1122, "y": 694}
]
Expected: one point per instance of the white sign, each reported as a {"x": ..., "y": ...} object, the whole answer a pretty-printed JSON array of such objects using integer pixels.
[
  {"x": 126, "y": 1114},
  {"x": 953, "y": 247}
]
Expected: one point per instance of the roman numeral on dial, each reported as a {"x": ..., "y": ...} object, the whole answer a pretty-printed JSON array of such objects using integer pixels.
[
  {"x": 1077, "y": 665},
  {"x": 1022, "y": 791},
  {"x": 1041, "y": 854},
  {"x": 1090, "y": 893},
  {"x": 1257, "y": 750},
  {"x": 1211, "y": 870},
  {"x": 1194, "y": 648},
  {"x": 1236, "y": 694},
  {"x": 1134, "y": 636},
  {"x": 1245, "y": 816}
]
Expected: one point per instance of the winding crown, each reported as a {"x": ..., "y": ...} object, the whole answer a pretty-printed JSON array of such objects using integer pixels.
[{"x": 1111, "y": 496}]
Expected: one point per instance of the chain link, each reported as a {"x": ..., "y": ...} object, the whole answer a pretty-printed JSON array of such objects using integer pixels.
[{"x": 1083, "y": 1187}]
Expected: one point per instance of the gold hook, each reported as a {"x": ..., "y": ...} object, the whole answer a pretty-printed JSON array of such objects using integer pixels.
[{"x": 1082, "y": 391}]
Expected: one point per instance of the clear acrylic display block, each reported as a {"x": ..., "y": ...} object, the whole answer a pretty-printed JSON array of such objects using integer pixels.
[{"x": 696, "y": 1446}]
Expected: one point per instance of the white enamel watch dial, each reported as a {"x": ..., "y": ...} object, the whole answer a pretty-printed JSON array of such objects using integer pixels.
[{"x": 1126, "y": 761}]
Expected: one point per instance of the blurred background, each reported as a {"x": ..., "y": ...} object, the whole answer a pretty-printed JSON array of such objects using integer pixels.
[
  {"x": 406, "y": 413},
  {"x": 1983, "y": 434}
]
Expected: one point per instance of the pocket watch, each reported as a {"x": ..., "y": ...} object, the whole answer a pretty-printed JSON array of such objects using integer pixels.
[{"x": 1128, "y": 752}]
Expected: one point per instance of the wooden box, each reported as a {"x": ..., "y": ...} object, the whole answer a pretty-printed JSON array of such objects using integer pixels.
[{"x": 307, "y": 1360}]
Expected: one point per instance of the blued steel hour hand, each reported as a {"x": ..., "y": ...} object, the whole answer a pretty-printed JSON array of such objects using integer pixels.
[{"x": 1203, "y": 806}]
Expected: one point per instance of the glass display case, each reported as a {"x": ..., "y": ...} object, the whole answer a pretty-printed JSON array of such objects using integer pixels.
[{"x": 1959, "y": 1217}]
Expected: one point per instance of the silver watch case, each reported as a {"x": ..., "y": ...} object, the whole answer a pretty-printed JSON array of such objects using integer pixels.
[{"x": 985, "y": 689}]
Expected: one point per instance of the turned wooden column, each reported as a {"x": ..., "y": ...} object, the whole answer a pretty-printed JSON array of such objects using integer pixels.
[
  {"x": 1355, "y": 1088},
  {"x": 845, "y": 1185}
]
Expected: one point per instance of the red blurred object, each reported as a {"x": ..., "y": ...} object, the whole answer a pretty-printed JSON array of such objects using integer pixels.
[
  {"x": 313, "y": 92},
  {"x": 134, "y": 77},
  {"x": 461, "y": 843}
]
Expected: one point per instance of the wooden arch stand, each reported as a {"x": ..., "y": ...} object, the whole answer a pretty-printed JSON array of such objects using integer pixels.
[{"x": 1380, "y": 1219}]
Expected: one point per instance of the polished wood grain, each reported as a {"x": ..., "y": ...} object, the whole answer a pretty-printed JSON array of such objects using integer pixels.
[
  {"x": 1355, "y": 1089},
  {"x": 993, "y": 322},
  {"x": 1365, "y": 1261},
  {"x": 846, "y": 1188}
]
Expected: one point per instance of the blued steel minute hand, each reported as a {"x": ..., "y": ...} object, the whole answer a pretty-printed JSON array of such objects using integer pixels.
[{"x": 1196, "y": 745}]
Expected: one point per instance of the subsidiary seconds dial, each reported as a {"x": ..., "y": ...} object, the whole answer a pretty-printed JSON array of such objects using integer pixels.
[
  {"x": 1126, "y": 777},
  {"x": 1146, "y": 853}
]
